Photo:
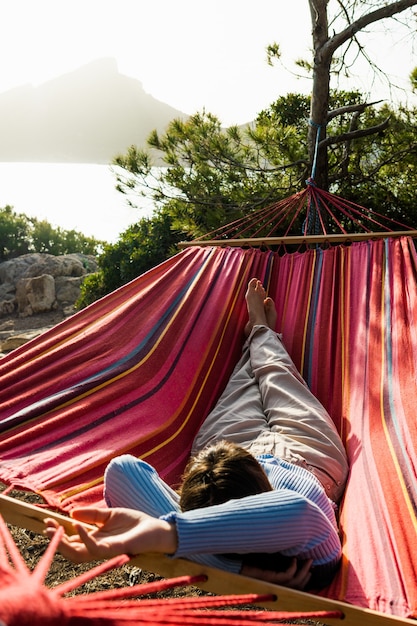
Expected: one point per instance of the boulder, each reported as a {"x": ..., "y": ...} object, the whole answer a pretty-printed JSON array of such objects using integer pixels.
[
  {"x": 35, "y": 295},
  {"x": 7, "y": 306},
  {"x": 67, "y": 289},
  {"x": 15, "y": 341},
  {"x": 37, "y": 291},
  {"x": 36, "y": 264},
  {"x": 34, "y": 283}
]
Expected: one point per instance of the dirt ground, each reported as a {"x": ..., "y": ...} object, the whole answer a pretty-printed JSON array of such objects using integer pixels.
[{"x": 13, "y": 324}]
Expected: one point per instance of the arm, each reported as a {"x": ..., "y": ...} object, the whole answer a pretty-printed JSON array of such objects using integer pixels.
[
  {"x": 276, "y": 521},
  {"x": 119, "y": 531},
  {"x": 122, "y": 530}
]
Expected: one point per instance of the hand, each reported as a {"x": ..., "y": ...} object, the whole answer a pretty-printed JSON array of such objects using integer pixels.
[
  {"x": 119, "y": 531},
  {"x": 296, "y": 576}
]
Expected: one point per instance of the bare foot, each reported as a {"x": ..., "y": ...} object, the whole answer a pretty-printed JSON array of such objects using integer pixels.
[
  {"x": 270, "y": 312},
  {"x": 255, "y": 299}
]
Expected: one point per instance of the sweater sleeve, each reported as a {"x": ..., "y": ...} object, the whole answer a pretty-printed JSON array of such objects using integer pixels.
[{"x": 276, "y": 521}]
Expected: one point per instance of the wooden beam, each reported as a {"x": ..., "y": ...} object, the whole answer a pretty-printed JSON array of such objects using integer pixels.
[
  {"x": 300, "y": 239},
  {"x": 31, "y": 517},
  {"x": 25, "y": 515},
  {"x": 224, "y": 583}
]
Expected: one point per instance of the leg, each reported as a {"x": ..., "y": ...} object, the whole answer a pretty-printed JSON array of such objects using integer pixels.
[
  {"x": 300, "y": 429},
  {"x": 132, "y": 483},
  {"x": 238, "y": 415}
]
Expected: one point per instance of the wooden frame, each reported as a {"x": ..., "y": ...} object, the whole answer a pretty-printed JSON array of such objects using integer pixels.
[
  {"x": 299, "y": 239},
  {"x": 29, "y": 516}
]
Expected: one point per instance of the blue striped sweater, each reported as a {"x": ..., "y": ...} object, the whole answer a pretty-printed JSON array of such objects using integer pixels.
[{"x": 295, "y": 519}]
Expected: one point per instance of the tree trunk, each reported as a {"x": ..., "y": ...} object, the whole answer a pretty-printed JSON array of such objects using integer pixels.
[
  {"x": 320, "y": 93},
  {"x": 323, "y": 49}
]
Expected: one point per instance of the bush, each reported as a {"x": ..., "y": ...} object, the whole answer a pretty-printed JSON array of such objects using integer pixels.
[{"x": 141, "y": 247}]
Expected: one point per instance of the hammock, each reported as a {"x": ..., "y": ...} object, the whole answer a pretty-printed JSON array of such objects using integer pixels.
[{"x": 139, "y": 370}]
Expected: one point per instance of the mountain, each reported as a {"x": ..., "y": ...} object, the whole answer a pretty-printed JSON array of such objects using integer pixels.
[{"x": 86, "y": 116}]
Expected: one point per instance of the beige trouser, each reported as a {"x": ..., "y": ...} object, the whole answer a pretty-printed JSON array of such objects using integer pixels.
[{"x": 267, "y": 408}]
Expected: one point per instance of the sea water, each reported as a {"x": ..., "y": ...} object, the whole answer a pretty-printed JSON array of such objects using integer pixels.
[{"x": 79, "y": 196}]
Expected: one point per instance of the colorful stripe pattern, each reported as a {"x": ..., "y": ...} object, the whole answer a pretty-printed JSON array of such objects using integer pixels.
[{"x": 139, "y": 370}]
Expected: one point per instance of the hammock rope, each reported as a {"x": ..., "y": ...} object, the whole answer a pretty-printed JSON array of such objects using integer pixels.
[
  {"x": 25, "y": 600},
  {"x": 325, "y": 214}
]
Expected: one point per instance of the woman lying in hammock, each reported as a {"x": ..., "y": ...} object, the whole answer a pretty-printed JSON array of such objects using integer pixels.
[{"x": 260, "y": 491}]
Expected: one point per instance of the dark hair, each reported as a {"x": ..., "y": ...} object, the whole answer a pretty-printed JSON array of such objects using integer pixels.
[{"x": 221, "y": 472}]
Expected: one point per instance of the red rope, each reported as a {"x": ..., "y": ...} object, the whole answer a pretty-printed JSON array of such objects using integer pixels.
[
  {"x": 281, "y": 218},
  {"x": 25, "y": 601}
]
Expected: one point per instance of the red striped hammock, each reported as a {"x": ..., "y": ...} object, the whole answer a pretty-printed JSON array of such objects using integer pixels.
[{"x": 139, "y": 370}]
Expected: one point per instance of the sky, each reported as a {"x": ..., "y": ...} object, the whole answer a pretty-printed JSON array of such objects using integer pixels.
[{"x": 191, "y": 54}]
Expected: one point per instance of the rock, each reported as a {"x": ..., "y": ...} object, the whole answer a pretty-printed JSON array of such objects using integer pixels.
[
  {"x": 6, "y": 289},
  {"x": 7, "y": 298},
  {"x": 25, "y": 290},
  {"x": 15, "y": 341},
  {"x": 7, "y": 306},
  {"x": 6, "y": 326},
  {"x": 38, "y": 291},
  {"x": 12, "y": 270},
  {"x": 65, "y": 265},
  {"x": 35, "y": 295},
  {"x": 36, "y": 264},
  {"x": 67, "y": 289}
]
